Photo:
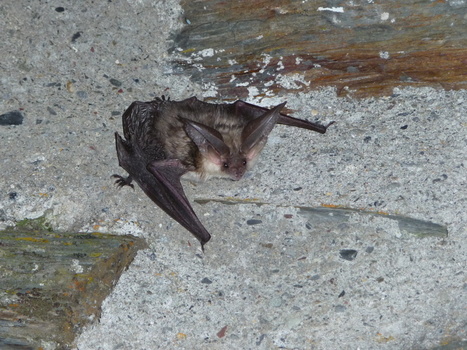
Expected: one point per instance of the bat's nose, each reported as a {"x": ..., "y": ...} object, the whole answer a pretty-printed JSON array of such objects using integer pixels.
[{"x": 237, "y": 174}]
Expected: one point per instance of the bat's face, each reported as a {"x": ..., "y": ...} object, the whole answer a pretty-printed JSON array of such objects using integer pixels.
[{"x": 234, "y": 166}]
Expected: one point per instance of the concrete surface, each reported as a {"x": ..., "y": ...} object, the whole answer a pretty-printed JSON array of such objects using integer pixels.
[{"x": 280, "y": 281}]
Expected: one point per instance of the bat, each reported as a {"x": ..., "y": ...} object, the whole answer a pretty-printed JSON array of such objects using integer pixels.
[{"x": 165, "y": 141}]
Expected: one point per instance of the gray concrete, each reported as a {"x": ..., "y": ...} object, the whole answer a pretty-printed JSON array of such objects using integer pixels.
[{"x": 280, "y": 283}]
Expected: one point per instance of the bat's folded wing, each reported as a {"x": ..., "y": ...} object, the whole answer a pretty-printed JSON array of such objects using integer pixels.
[
  {"x": 254, "y": 111},
  {"x": 168, "y": 194}
]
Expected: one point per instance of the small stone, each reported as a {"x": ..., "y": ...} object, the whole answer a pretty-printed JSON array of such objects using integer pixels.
[
  {"x": 340, "y": 308},
  {"x": 260, "y": 339},
  {"x": 82, "y": 94},
  {"x": 75, "y": 36},
  {"x": 221, "y": 333},
  {"x": 348, "y": 254},
  {"x": 69, "y": 86},
  {"x": 115, "y": 82},
  {"x": 267, "y": 245},
  {"x": 206, "y": 280},
  {"x": 275, "y": 302},
  {"x": 254, "y": 222},
  {"x": 152, "y": 256},
  {"x": 51, "y": 111},
  {"x": 11, "y": 118}
]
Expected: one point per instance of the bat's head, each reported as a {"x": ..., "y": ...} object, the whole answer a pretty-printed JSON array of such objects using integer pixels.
[
  {"x": 234, "y": 166},
  {"x": 228, "y": 162},
  {"x": 245, "y": 146}
]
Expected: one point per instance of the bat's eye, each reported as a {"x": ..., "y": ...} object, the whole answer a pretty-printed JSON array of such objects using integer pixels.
[
  {"x": 226, "y": 165},
  {"x": 244, "y": 162}
]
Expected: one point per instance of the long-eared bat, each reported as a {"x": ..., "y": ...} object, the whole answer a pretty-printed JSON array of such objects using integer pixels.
[{"x": 167, "y": 140}]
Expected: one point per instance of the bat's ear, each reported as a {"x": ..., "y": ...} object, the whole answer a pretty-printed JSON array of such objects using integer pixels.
[
  {"x": 209, "y": 141},
  {"x": 256, "y": 132}
]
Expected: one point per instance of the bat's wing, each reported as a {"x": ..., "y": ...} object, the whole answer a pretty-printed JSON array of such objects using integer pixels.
[
  {"x": 167, "y": 192},
  {"x": 160, "y": 181},
  {"x": 253, "y": 111}
]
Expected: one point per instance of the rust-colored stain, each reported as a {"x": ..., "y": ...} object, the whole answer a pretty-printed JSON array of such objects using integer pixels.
[
  {"x": 33, "y": 239},
  {"x": 80, "y": 285},
  {"x": 181, "y": 336},
  {"x": 331, "y": 205}
]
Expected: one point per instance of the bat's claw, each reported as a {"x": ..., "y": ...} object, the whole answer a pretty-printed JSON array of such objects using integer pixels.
[
  {"x": 123, "y": 181},
  {"x": 162, "y": 99},
  {"x": 329, "y": 124}
]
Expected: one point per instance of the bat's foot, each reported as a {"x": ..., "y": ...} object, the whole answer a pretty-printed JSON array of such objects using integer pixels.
[
  {"x": 162, "y": 99},
  {"x": 123, "y": 181}
]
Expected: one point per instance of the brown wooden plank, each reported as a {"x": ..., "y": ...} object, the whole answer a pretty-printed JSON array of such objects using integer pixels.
[{"x": 369, "y": 47}]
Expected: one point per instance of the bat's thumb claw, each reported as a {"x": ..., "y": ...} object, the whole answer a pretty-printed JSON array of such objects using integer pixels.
[{"x": 329, "y": 124}]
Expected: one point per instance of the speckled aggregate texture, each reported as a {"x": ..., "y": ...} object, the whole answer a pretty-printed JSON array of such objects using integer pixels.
[{"x": 269, "y": 278}]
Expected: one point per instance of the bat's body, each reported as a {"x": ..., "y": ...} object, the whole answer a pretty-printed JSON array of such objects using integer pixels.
[{"x": 167, "y": 140}]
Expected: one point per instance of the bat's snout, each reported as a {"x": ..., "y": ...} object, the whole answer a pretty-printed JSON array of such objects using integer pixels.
[{"x": 236, "y": 174}]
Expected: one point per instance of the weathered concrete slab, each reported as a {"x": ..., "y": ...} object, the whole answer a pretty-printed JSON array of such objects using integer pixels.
[{"x": 284, "y": 282}]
